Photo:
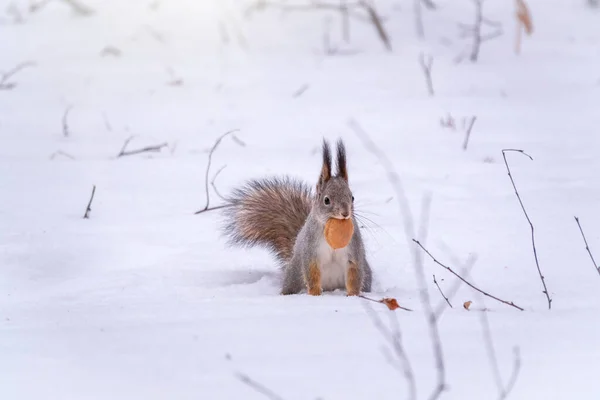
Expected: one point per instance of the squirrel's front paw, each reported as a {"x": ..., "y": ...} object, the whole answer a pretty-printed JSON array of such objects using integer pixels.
[
  {"x": 315, "y": 291},
  {"x": 353, "y": 280}
]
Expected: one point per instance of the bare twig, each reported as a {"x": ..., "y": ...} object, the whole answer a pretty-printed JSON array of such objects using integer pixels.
[
  {"x": 65, "y": 122},
  {"x": 513, "y": 377},
  {"x": 377, "y": 23},
  {"x": 4, "y": 79},
  {"x": 79, "y": 8},
  {"x": 417, "y": 5},
  {"x": 268, "y": 393},
  {"x": 300, "y": 91},
  {"x": 426, "y": 63},
  {"x": 545, "y": 291},
  {"x": 106, "y": 122},
  {"x": 454, "y": 289},
  {"x": 394, "y": 338},
  {"x": 596, "y": 267},
  {"x": 147, "y": 149},
  {"x": 509, "y": 303},
  {"x": 89, "y": 206},
  {"x": 442, "y": 293},
  {"x": 476, "y": 30},
  {"x": 468, "y": 133},
  {"x": 409, "y": 230},
  {"x": 212, "y": 182},
  {"x": 206, "y": 182},
  {"x": 503, "y": 390},
  {"x": 345, "y": 20},
  {"x": 61, "y": 153}
]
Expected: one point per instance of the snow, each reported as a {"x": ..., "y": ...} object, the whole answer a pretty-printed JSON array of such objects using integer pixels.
[{"x": 144, "y": 300}]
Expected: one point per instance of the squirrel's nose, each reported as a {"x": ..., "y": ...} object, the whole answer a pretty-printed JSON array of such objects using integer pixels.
[{"x": 345, "y": 214}]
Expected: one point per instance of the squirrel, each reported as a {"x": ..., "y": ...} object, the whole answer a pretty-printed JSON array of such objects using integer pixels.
[{"x": 314, "y": 236}]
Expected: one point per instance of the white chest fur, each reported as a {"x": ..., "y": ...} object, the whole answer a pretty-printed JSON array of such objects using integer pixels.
[{"x": 333, "y": 265}]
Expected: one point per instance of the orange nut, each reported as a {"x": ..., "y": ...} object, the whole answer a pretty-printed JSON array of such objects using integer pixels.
[{"x": 338, "y": 232}]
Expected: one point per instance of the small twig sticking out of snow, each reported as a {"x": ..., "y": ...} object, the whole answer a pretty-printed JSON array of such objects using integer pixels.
[
  {"x": 88, "y": 209},
  {"x": 418, "y": 264},
  {"x": 258, "y": 387},
  {"x": 65, "y": 122},
  {"x": 454, "y": 289},
  {"x": 377, "y": 23},
  {"x": 513, "y": 377},
  {"x": 206, "y": 175},
  {"x": 394, "y": 337},
  {"x": 4, "y": 80},
  {"x": 147, "y": 149},
  {"x": 442, "y": 293},
  {"x": 79, "y": 8},
  {"x": 468, "y": 132},
  {"x": 426, "y": 63},
  {"x": 300, "y": 90},
  {"x": 596, "y": 267},
  {"x": 509, "y": 303},
  {"x": 512, "y": 181},
  {"x": 503, "y": 391},
  {"x": 345, "y": 20},
  {"x": 418, "y": 9},
  {"x": 106, "y": 122},
  {"x": 475, "y": 30},
  {"x": 212, "y": 182},
  {"x": 61, "y": 153}
]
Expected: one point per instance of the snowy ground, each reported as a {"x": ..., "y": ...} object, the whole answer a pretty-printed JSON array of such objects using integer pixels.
[{"x": 144, "y": 300}]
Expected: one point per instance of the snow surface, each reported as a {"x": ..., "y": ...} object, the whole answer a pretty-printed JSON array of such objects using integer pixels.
[{"x": 144, "y": 300}]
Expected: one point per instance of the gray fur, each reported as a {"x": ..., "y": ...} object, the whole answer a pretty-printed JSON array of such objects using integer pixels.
[{"x": 286, "y": 217}]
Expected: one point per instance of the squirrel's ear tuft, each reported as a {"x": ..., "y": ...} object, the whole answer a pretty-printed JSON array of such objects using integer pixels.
[
  {"x": 342, "y": 169},
  {"x": 326, "y": 169}
]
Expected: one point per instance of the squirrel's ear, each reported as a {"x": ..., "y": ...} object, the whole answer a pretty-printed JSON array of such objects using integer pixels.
[
  {"x": 326, "y": 169},
  {"x": 342, "y": 169}
]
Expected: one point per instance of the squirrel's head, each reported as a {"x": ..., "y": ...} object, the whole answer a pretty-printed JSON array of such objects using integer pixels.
[{"x": 334, "y": 198}]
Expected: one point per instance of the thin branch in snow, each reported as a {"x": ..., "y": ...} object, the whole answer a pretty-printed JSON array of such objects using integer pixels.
[
  {"x": 441, "y": 292},
  {"x": 596, "y": 267},
  {"x": 79, "y": 8},
  {"x": 65, "y": 122},
  {"x": 106, "y": 122},
  {"x": 5, "y": 78},
  {"x": 61, "y": 153},
  {"x": 468, "y": 132},
  {"x": 512, "y": 181},
  {"x": 212, "y": 182},
  {"x": 377, "y": 23},
  {"x": 426, "y": 63},
  {"x": 418, "y": 264},
  {"x": 503, "y": 390},
  {"x": 88, "y": 209},
  {"x": 514, "y": 375},
  {"x": 476, "y": 30},
  {"x": 206, "y": 175},
  {"x": 509, "y": 303},
  {"x": 454, "y": 289},
  {"x": 258, "y": 387},
  {"x": 147, "y": 149},
  {"x": 417, "y": 5},
  {"x": 394, "y": 338},
  {"x": 300, "y": 91}
]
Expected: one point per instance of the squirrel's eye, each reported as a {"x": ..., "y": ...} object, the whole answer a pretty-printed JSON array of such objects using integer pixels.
[
  {"x": 326, "y": 200},
  {"x": 353, "y": 199}
]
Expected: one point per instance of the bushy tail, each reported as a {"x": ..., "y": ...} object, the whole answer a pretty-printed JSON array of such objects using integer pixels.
[{"x": 269, "y": 213}]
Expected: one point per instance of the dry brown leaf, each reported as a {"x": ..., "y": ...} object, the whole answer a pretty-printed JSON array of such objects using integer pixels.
[
  {"x": 390, "y": 302},
  {"x": 524, "y": 16},
  {"x": 467, "y": 304}
]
